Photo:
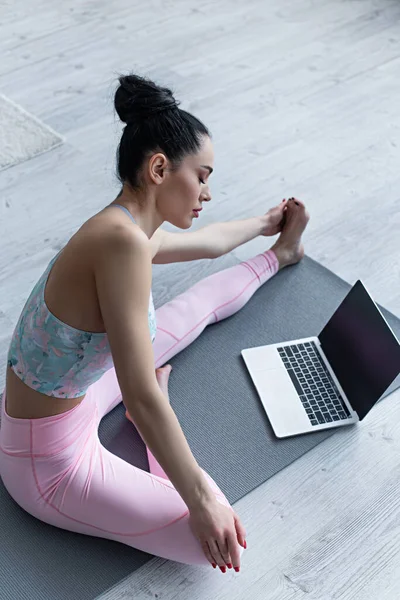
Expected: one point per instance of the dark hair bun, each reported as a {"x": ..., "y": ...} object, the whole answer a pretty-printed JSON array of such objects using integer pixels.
[{"x": 137, "y": 98}]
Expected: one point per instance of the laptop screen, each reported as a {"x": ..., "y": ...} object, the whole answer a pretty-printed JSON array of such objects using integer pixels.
[{"x": 361, "y": 348}]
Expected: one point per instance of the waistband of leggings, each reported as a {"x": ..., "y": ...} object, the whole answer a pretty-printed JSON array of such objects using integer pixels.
[{"x": 46, "y": 436}]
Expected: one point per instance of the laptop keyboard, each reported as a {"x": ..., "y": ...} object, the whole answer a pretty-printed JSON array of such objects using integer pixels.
[{"x": 318, "y": 393}]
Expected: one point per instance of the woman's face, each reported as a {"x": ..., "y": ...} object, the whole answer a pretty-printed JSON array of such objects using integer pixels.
[{"x": 186, "y": 188}]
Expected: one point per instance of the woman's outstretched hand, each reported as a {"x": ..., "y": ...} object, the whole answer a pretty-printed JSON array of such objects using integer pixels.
[
  {"x": 219, "y": 530},
  {"x": 276, "y": 219}
]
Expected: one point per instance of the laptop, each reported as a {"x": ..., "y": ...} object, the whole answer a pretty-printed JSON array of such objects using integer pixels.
[{"x": 329, "y": 380}]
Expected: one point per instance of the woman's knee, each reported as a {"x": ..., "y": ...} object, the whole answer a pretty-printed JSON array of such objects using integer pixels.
[{"x": 179, "y": 543}]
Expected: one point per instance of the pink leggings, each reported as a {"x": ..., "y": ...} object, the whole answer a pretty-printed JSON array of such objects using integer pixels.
[{"x": 57, "y": 470}]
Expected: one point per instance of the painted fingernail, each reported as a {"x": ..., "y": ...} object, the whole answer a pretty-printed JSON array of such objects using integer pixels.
[
  {"x": 237, "y": 569},
  {"x": 229, "y": 565},
  {"x": 223, "y": 569},
  {"x": 214, "y": 565},
  {"x": 297, "y": 203},
  {"x": 245, "y": 544}
]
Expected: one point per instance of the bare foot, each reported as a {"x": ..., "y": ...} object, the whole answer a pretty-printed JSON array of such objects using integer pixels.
[
  {"x": 162, "y": 375},
  {"x": 288, "y": 247}
]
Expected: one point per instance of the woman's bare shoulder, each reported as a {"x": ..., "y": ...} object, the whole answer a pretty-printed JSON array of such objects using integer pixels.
[{"x": 109, "y": 227}]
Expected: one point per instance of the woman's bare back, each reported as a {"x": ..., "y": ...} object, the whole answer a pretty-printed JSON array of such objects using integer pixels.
[{"x": 70, "y": 294}]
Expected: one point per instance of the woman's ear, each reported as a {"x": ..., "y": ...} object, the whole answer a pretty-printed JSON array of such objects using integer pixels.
[{"x": 158, "y": 167}]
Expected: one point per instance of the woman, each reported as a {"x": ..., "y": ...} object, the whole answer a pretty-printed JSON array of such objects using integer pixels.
[{"x": 86, "y": 339}]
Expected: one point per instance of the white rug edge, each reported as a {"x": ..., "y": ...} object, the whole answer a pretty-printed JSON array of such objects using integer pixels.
[{"x": 59, "y": 141}]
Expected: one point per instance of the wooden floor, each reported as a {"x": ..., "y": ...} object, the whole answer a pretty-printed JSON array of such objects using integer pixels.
[{"x": 301, "y": 99}]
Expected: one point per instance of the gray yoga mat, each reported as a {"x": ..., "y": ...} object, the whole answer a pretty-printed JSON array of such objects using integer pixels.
[{"x": 221, "y": 416}]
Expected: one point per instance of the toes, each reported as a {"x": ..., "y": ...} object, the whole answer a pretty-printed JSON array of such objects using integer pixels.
[
  {"x": 128, "y": 416},
  {"x": 299, "y": 202},
  {"x": 163, "y": 373},
  {"x": 164, "y": 369},
  {"x": 296, "y": 204}
]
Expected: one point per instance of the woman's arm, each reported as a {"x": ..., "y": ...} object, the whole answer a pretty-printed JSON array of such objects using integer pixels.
[
  {"x": 210, "y": 241},
  {"x": 162, "y": 433},
  {"x": 123, "y": 280}
]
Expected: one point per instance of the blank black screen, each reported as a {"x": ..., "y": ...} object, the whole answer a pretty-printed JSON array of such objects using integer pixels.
[{"x": 362, "y": 350}]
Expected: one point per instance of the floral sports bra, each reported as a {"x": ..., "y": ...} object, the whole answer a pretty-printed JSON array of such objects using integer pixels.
[{"x": 53, "y": 357}]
